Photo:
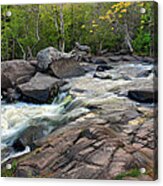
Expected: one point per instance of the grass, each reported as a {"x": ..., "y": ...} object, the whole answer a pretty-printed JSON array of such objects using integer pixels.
[
  {"x": 130, "y": 173},
  {"x": 9, "y": 172}
]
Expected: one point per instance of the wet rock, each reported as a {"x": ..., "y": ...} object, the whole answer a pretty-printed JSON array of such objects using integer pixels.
[
  {"x": 40, "y": 89},
  {"x": 28, "y": 137},
  {"x": 145, "y": 73},
  {"x": 128, "y": 58},
  {"x": 115, "y": 58},
  {"x": 82, "y": 47},
  {"x": 67, "y": 68},
  {"x": 12, "y": 71},
  {"x": 143, "y": 96},
  {"x": 149, "y": 60},
  {"x": 11, "y": 95},
  {"x": 102, "y": 68},
  {"x": 102, "y": 75},
  {"x": 100, "y": 60},
  {"x": 103, "y": 52},
  {"x": 124, "y": 52}
]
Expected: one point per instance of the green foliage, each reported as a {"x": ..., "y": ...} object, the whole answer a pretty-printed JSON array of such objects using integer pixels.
[
  {"x": 9, "y": 172},
  {"x": 130, "y": 173},
  {"x": 142, "y": 43},
  {"x": 31, "y": 28}
]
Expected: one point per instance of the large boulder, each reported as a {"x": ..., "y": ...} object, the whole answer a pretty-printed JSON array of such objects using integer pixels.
[
  {"x": 15, "y": 72},
  {"x": 40, "y": 89},
  {"x": 67, "y": 68},
  {"x": 48, "y": 55},
  {"x": 143, "y": 96}
]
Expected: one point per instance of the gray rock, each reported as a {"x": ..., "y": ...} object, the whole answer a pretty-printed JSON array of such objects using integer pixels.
[
  {"x": 41, "y": 88},
  {"x": 100, "y": 60},
  {"x": 102, "y": 68},
  {"x": 145, "y": 73},
  {"x": 115, "y": 58},
  {"x": 12, "y": 95},
  {"x": 143, "y": 96},
  {"x": 102, "y": 75},
  {"x": 128, "y": 58},
  {"x": 13, "y": 71},
  {"x": 48, "y": 55},
  {"x": 28, "y": 137},
  {"x": 66, "y": 68},
  {"x": 82, "y": 47}
]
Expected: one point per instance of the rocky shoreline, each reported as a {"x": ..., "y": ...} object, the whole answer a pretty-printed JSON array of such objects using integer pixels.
[{"x": 114, "y": 138}]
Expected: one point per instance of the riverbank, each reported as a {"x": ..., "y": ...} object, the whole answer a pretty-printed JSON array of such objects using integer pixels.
[{"x": 101, "y": 125}]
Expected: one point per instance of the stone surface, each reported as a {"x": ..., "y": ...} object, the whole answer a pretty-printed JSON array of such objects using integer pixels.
[
  {"x": 48, "y": 55},
  {"x": 143, "y": 96},
  {"x": 67, "y": 68},
  {"x": 41, "y": 88},
  {"x": 12, "y": 71},
  {"x": 115, "y": 135},
  {"x": 100, "y": 60}
]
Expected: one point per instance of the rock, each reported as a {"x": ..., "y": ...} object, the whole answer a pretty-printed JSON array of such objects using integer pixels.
[
  {"x": 41, "y": 88},
  {"x": 102, "y": 75},
  {"x": 100, "y": 60},
  {"x": 67, "y": 68},
  {"x": 28, "y": 137},
  {"x": 48, "y": 55},
  {"x": 11, "y": 95},
  {"x": 84, "y": 48},
  {"x": 149, "y": 60},
  {"x": 33, "y": 62},
  {"x": 124, "y": 52},
  {"x": 102, "y": 68},
  {"x": 128, "y": 58},
  {"x": 13, "y": 71},
  {"x": 143, "y": 96},
  {"x": 115, "y": 58},
  {"x": 103, "y": 52},
  {"x": 145, "y": 73}
]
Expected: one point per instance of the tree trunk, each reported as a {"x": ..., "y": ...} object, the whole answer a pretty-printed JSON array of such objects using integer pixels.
[
  {"x": 128, "y": 38},
  {"x": 62, "y": 40},
  {"x": 22, "y": 49},
  {"x": 57, "y": 25}
]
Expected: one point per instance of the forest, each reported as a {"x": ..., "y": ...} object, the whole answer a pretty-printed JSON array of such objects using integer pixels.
[{"x": 26, "y": 29}]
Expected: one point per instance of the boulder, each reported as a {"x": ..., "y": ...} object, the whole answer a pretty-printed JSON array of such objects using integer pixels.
[
  {"x": 67, "y": 68},
  {"x": 82, "y": 47},
  {"x": 115, "y": 58},
  {"x": 40, "y": 89},
  {"x": 102, "y": 75},
  {"x": 149, "y": 60},
  {"x": 144, "y": 73},
  {"x": 48, "y": 55},
  {"x": 11, "y": 95},
  {"x": 13, "y": 71},
  {"x": 128, "y": 58},
  {"x": 102, "y": 68},
  {"x": 28, "y": 137},
  {"x": 100, "y": 60},
  {"x": 143, "y": 96}
]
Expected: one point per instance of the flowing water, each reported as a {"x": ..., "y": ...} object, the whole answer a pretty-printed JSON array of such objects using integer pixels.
[{"x": 17, "y": 117}]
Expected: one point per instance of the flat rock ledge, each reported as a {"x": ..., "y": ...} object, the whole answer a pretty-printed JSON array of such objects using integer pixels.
[{"x": 88, "y": 148}]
